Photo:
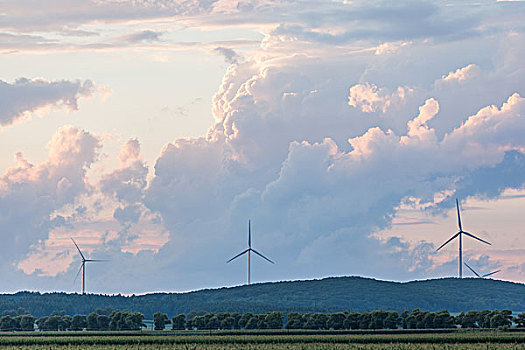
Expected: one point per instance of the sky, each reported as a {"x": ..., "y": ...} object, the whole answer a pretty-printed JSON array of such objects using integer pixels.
[{"x": 151, "y": 131}]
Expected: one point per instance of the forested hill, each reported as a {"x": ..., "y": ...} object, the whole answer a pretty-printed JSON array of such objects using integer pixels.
[{"x": 325, "y": 295}]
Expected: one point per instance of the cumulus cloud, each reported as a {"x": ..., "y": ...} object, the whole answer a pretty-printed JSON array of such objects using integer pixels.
[
  {"x": 127, "y": 183},
  {"x": 319, "y": 201},
  {"x": 107, "y": 219},
  {"x": 27, "y": 96},
  {"x": 461, "y": 74},
  {"x": 318, "y": 136},
  {"x": 369, "y": 98},
  {"x": 29, "y": 193}
]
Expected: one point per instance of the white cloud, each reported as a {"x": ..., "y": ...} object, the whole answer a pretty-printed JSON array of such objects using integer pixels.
[
  {"x": 369, "y": 98},
  {"x": 317, "y": 176},
  {"x": 319, "y": 208},
  {"x": 25, "y": 97},
  {"x": 107, "y": 219},
  {"x": 461, "y": 74},
  {"x": 29, "y": 194},
  {"x": 315, "y": 21}
]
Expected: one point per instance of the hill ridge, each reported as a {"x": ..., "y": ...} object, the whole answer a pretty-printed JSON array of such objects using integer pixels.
[{"x": 329, "y": 294}]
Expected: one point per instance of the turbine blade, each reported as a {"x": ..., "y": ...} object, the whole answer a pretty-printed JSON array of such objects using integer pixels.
[
  {"x": 238, "y": 255},
  {"x": 262, "y": 256},
  {"x": 459, "y": 215},
  {"x": 95, "y": 260},
  {"x": 82, "y": 255},
  {"x": 490, "y": 274},
  {"x": 444, "y": 244},
  {"x": 249, "y": 234},
  {"x": 479, "y": 239},
  {"x": 471, "y": 269},
  {"x": 78, "y": 273}
]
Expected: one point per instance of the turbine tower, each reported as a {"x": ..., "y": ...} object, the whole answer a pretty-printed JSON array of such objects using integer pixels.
[
  {"x": 249, "y": 250},
  {"x": 83, "y": 267},
  {"x": 482, "y": 276},
  {"x": 459, "y": 234}
]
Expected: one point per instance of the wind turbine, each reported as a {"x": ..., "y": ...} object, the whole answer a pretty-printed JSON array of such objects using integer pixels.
[
  {"x": 482, "y": 276},
  {"x": 83, "y": 267},
  {"x": 459, "y": 234},
  {"x": 249, "y": 250}
]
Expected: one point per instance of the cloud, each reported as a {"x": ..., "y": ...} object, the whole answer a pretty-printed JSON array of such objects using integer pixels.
[
  {"x": 461, "y": 74},
  {"x": 275, "y": 157},
  {"x": 30, "y": 194},
  {"x": 230, "y": 56},
  {"x": 107, "y": 219},
  {"x": 315, "y": 21},
  {"x": 383, "y": 21},
  {"x": 127, "y": 183},
  {"x": 145, "y": 35},
  {"x": 369, "y": 98},
  {"x": 25, "y": 97},
  {"x": 343, "y": 113}
]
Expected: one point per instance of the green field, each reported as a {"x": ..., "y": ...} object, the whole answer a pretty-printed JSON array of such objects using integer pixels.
[{"x": 279, "y": 340}]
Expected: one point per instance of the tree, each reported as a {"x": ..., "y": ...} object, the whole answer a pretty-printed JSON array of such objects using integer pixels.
[
  {"x": 404, "y": 316},
  {"x": 261, "y": 322},
  {"x": 428, "y": 321},
  {"x": 135, "y": 321},
  {"x": 189, "y": 324},
  {"x": 179, "y": 322},
  {"x": 443, "y": 319},
  {"x": 377, "y": 319},
  {"x": 295, "y": 321},
  {"x": 103, "y": 322},
  {"x": 40, "y": 323},
  {"x": 316, "y": 321},
  {"x": 484, "y": 318},
  {"x": 78, "y": 322},
  {"x": 64, "y": 322},
  {"x": 236, "y": 318},
  {"x": 352, "y": 320},
  {"x": 274, "y": 320},
  {"x": 501, "y": 319},
  {"x": 468, "y": 320},
  {"x": 520, "y": 320},
  {"x": 228, "y": 323},
  {"x": 92, "y": 321},
  {"x": 244, "y": 319},
  {"x": 27, "y": 323},
  {"x": 252, "y": 322},
  {"x": 198, "y": 322},
  {"x": 7, "y": 323},
  {"x": 364, "y": 321},
  {"x": 124, "y": 320},
  {"x": 53, "y": 323},
  {"x": 213, "y": 322},
  {"x": 418, "y": 319},
  {"x": 391, "y": 321},
  {"x": 160, "y": 320},
  {"x": 336, "y": 321}
]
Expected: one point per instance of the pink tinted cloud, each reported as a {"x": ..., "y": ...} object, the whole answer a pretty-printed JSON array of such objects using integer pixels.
[{"x": 26, "y": 97}]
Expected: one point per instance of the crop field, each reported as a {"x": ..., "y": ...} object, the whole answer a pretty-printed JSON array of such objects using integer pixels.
[{"x": 173, "y": 340}]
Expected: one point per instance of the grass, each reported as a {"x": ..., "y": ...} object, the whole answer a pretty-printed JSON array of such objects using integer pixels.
[{"x": 279, "y": 340}]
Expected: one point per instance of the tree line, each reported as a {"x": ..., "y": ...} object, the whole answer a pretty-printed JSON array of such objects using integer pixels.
[
  {"x": 221, "y": 320},
  {"x": 379, "y": 319},
  {"x": 100, "y": 320},
  {"x": 109, "y": 320}
]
